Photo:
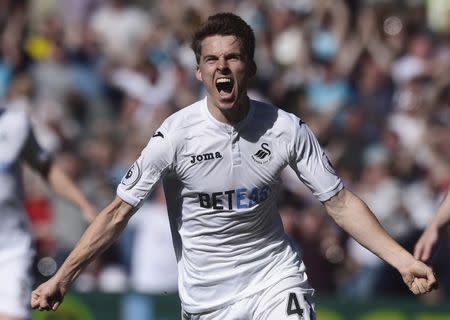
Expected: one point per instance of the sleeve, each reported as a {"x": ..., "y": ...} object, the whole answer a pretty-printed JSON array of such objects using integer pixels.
[
  {"x": 32, "y": 152},
  {"x": 155, "y": 161},
  {"x": 311, "y": 163}
]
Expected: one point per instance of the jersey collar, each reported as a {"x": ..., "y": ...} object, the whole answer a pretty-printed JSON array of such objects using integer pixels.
[{"x": 228, "y": 127}]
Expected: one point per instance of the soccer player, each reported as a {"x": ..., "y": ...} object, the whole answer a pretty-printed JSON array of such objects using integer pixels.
[
  {"x": 427, "y": 241},
  {"x": 220, "y": 160},
  {"x": 17, "y": 145}
]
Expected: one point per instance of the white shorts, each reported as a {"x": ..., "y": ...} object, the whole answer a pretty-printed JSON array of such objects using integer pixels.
[
  {"x": 283, "y": 301},
  {"x": 15, "y": 288}
]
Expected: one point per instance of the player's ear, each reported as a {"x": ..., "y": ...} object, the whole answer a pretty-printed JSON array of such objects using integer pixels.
[{"x": 198, "y": 73}]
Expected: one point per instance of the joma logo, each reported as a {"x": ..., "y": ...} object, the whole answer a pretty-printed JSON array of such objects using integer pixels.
[{"x": 205, "y": 156}]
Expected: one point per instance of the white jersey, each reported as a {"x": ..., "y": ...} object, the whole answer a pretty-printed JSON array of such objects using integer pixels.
[
  {"x": 17, "y": 143},
  {"x": 221, "y": 185}
]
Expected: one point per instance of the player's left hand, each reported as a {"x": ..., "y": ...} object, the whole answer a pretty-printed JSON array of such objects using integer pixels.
[{"x": 419, "y": 278}]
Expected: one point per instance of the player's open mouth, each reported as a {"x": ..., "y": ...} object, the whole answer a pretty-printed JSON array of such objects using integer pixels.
[{"x": 224, "y": 86}]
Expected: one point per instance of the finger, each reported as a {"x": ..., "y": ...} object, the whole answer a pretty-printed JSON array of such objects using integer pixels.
[
  {"x": 422, "y": 251},
  {"x": 426, "y": 253},
  {"x": 44, "y": 303},
  {"x": 418, "y": 250},
  {"x": 421, "y": 285},
  {"x": 418, "y": 287},
  {"x": 413, "y": 287},
  {"x": 56, "y": 305},
  {"x": 34, "y": 300},
  {"x": 408, "y": 279},
  {"x": 431, "y": 280},
  {"x": 420, "y": 270}
]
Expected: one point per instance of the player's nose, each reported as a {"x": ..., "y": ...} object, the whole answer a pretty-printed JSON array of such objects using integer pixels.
[{"x": 222, "y": 64}]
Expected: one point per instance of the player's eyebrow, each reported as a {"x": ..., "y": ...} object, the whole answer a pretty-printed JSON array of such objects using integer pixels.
[
  {"x": 230, "y": 55},
  {"x": 210, "y": 56}
]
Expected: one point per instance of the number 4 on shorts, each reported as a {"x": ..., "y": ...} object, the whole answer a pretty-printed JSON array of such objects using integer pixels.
[{"x": 293, "y": 307}]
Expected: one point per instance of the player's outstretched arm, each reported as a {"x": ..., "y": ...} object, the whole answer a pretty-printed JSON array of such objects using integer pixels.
[
  {"x": 353, "y": 215},
  {"x": 65, "y": 188},
  {"x": 428, "y": 239},
  {"x": 100, "y": 234}
]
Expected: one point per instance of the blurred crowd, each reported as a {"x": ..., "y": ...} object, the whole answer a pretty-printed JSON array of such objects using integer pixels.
[{"x": 371, "y": 78}]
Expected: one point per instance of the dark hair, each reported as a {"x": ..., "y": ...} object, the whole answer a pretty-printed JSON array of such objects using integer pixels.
[{"x": 225, "y": 24}]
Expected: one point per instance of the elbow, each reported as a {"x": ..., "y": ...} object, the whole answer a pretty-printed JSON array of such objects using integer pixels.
[
  {"x": 337, "y": 205},
  {"x": 122, "y": 216},
  {"x": 119, "y": 214}
]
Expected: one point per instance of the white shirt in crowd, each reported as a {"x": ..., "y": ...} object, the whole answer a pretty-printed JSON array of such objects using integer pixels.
[
  {"x": 17, "y": 143},
  {"x": 154, "y": 273}
]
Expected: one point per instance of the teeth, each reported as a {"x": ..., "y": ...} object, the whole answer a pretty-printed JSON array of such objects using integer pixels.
[{"x": 223, "y": 80}]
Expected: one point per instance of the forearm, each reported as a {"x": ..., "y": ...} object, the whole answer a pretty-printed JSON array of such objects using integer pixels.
[
  {"x": 353, "y": 215},
  {"x": 100, "y": 234},
  {"x": 64, "y": 187},
  {"x": 442, "y": 216}
]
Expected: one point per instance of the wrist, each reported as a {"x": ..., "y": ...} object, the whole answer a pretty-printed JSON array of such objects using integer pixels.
[
  {"x": 403, "y": 260},
  {"x": 434, "y": 226}
]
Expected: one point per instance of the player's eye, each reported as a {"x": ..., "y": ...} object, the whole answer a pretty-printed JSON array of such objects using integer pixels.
[{"x": 209, "y": 59}]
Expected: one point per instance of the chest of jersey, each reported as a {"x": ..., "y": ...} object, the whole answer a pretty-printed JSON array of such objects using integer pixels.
[{"x": 229, "y": 171}]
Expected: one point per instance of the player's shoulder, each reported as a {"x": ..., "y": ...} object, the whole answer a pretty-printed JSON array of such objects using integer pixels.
[
  {"x": 187, "y": 117},
  {"x": 281, "y": 120}
]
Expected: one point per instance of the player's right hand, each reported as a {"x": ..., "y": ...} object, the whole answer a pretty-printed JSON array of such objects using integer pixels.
[
  {"x": 48, "y": 296},
  {"x": 426, "y": 243}
]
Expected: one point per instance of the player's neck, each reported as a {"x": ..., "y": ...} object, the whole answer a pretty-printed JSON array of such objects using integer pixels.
[{"x": 233, "y": 115}]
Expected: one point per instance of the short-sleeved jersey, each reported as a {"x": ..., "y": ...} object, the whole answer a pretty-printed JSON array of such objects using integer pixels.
[
  {"x": 17, "y": 143},
  {"x": 221, "y": 185}
]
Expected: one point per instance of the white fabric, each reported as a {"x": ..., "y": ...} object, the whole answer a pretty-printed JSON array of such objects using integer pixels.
[
  {"x": 16, "y": 285},
  {"x": 154, "y": 273},
  {"x": 410, "y": 130},
  {"x": 17, "y": 143},
  {"x": 407, "y": 68},
  {"x": 418, "y": 199},
  {"x": 221, "y": 184},
  {"x": 138, "y": 86},
  {"x": 121, "y": 30},
  {"x": 282, "y": 301}
]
